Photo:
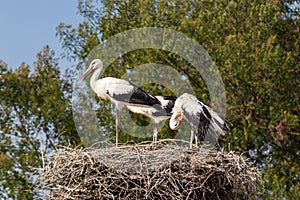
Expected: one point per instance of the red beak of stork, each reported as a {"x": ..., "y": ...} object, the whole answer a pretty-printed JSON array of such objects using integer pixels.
[
  {"x": 175, "y": 120},
  {"x": 87, "y": 73}
]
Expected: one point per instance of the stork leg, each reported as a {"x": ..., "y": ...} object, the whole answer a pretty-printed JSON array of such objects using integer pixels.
[
  {"x": 192, "y": 138},
  {"x": 117, "y": 126},
  {"x": 155, "y": 131},
  {"x": 196, "y": 141}
]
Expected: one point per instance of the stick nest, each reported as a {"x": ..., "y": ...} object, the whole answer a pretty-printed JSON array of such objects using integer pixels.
[{"x": 144, "y": 172}]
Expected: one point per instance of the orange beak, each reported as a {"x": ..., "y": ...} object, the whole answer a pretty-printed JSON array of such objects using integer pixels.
[{"x": 87, "y": 73}]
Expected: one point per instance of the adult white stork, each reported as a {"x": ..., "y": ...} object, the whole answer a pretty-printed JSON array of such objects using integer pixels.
[
  {"x": 158, "y": 113},
  {"x": 118, "y": 91},
  {"x": 201, "y": 118}
]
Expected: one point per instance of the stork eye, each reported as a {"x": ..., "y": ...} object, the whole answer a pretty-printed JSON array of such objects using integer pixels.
[{"x": 93, "y": 64}]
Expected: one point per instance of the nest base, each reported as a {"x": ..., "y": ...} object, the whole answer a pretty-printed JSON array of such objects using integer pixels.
[{"x": 123, "y": 173}]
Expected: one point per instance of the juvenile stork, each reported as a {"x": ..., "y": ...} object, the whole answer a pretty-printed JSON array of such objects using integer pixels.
[
  {"x": 118, "y": 91},
  {"x": 201, "y": 118},
  {"x": 157, "y": 114}
]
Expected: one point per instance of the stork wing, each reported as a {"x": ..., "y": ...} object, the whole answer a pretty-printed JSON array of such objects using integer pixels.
[
  {"x": 192, "y": 106},
  {"x": 167, "y": 104},
  {"x": 220, "y": 124},
  {"x": 124, "y": 91},
  {"x": 195, "y": 113},
  {"x": 202, "y": 117}
]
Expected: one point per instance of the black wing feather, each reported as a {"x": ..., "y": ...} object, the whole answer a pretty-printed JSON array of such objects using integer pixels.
[
  {"x": 171, "y": 102},
  {"x": 200, "y": 123},
  {"x": 139, "y": 96},
  {"x": 136, "y": 96}
]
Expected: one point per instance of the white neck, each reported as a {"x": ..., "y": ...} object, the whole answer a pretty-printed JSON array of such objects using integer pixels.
[{"x": 94, "y": 78}]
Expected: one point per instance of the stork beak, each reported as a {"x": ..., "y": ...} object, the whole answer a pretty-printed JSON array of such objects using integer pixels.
[
  {"x": 175, "y": 122},
  {"x": 175, "y": 126},
  {"x": 87, "y": 73}
]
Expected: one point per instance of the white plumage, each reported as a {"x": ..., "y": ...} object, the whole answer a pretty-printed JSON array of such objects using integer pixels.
[
  {"x": 158, "y": 113},
  {"x": 118, "y": 91},
  {"x": 201, "y": 118}
]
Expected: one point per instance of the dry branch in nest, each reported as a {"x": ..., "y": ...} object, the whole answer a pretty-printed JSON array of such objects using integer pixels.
[{"x": 143, "y": 172}]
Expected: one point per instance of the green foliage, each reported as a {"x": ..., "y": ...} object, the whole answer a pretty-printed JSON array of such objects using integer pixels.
[
  {"x": 255, "y": 45},
  {"x": 35, "y": 118}
]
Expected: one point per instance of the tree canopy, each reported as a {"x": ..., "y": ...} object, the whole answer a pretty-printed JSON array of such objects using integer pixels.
[
  {"x": 254, "y": 44},
  {"x": 35, "y": 118}
]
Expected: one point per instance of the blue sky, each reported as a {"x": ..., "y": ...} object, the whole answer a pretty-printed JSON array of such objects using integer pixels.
[{"x": 27, "y": 26}]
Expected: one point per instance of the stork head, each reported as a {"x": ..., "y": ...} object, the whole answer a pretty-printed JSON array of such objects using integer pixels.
[
  {"x": 176, "y": 118},
  {"x": 95, "y": 64}
]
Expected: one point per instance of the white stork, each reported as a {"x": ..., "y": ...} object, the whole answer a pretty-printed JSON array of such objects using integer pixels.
[
  {"x": 201, "y": 118},
  {"x": 157, "y": 114},
  {"x": 118, "y": 91}
]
